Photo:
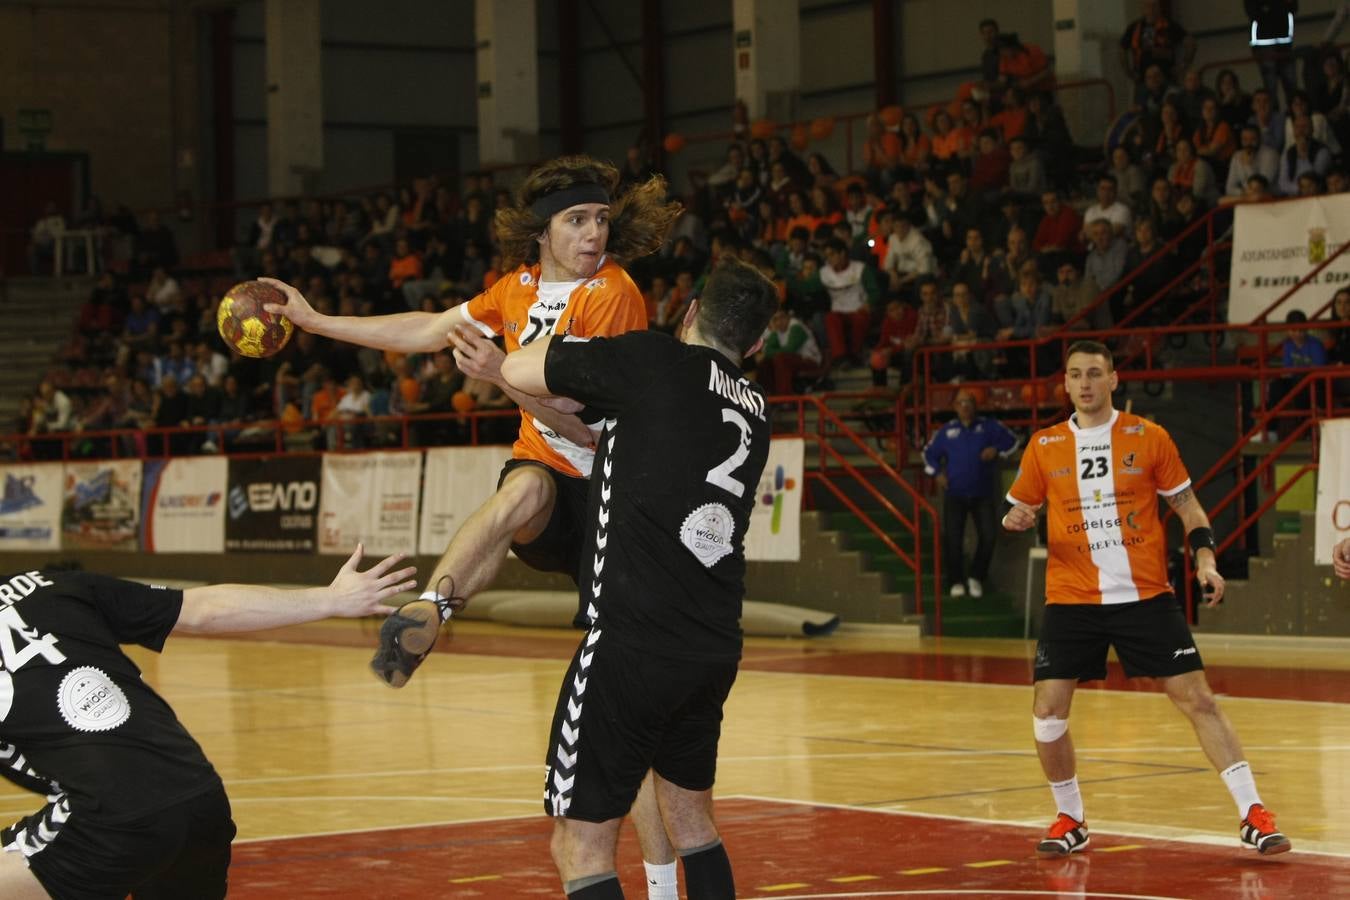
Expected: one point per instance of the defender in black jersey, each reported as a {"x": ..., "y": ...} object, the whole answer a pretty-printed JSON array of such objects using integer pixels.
[
  {"x": 133, "y": 805},
  {"x": 685, "y": 440}
]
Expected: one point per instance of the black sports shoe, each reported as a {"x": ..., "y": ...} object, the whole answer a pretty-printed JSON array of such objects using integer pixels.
[{"x": 408, "y": 635}]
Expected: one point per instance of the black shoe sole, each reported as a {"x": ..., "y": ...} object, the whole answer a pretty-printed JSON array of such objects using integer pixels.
[{"x": 406, "y": 637}]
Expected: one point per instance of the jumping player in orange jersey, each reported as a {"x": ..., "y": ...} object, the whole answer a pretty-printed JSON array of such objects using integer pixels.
[
  {"x": 1100, "y": 473},
  {"x": 565, "y": 238}
]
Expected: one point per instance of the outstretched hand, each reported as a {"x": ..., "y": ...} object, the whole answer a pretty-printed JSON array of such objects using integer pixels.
[
  {"x": 1340, "y": 558},
  {"x": 296, "y": 308},
  {"x": 356, "y": 593}
]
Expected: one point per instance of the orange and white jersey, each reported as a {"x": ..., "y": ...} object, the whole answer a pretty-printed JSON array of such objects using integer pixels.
[
  {"x": 1101, "y": 486},
  {"x": 520, "y": 309}
]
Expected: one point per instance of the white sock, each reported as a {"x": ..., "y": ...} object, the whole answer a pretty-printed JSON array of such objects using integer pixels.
[
  {"x": 442, "y": 607},
  {"x": 661, "y": 883},
  {"x": 1068, "y": 798},
  {"x": 1241, "y": 784}
]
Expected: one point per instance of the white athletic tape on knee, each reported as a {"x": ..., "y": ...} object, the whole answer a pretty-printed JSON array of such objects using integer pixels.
[{"x": 1050, "y": 729}]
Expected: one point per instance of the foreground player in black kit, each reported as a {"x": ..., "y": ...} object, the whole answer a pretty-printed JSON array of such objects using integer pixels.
[
  {"x": 133, "y": 805},
  {"x": 663, "y": 574}
]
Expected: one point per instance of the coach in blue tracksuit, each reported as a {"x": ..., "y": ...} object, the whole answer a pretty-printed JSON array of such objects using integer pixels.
[{"x": 963, "y": 455}]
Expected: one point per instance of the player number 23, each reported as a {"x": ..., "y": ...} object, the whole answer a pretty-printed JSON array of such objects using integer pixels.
[
  {"x": 1093, "y": 467},
  {"x": 720, "y": 474}
]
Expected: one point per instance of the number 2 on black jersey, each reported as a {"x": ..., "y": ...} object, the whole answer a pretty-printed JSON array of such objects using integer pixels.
[
  {"x": 1093, "y": 467},
  {"x": 720, "y": 474}
]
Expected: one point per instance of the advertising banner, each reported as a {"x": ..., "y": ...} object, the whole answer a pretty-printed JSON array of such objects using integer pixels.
[
  {"x": 272, "y": 505},
  {"x": 101, "y": 505},
  {"x": 456, "y": 482},
  {"x": 372, "y": 498},
  {"x": 30, "y": 507},
  {"x": 1333, "y": 489},
  {"x": 183, "y": 505},
  {"x": 1276, "y": 244},
  {"x": 775, "y": 524}
]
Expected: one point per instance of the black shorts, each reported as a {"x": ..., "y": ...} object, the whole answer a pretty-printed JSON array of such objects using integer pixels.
[
  {"x": 181, "y": 851},
  {"x": 558, "y": 547},
  {"x": 622, "y": 711},
  {"x": 1151, "y": 638}
]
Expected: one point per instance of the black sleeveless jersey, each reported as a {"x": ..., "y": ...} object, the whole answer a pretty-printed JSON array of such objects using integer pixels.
[
  {"x": 76, "y": 720},
  {"x": 685, "y": 441}
]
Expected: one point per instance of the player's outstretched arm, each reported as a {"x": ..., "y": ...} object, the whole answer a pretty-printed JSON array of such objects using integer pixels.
[
  {"x": 224, "y": 608},
  {"x": 410, "y": 332},
  {"x": 1192, "y": 515},
  {"x": 1340, "y": 558}
]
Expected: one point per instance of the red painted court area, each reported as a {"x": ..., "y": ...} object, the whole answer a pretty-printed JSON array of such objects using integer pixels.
[{"x": 785, "y": 850}]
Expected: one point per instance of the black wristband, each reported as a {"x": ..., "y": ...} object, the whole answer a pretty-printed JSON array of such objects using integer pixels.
[{"x": 1201, "y": 538}]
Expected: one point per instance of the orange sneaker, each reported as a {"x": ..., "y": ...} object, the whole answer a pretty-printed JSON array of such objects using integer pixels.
[
  {"x": 1066, "y": 835},
  {"x": 1258, "y": 831}
]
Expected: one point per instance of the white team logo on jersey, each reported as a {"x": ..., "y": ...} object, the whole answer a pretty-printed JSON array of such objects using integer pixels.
[
  {"x": 707, "y": 532},
  {"x": 90, "y": 701}
]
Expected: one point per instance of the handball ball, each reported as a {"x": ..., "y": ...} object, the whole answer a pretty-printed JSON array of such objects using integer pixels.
[{"x": 249, "y": 328}]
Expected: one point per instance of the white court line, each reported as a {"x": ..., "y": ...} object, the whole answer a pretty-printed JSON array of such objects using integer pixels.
[{"x": 1147, "y": 832}]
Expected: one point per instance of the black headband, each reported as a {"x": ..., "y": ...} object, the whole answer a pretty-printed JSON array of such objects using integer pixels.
[{"x": 549, "y": 205}]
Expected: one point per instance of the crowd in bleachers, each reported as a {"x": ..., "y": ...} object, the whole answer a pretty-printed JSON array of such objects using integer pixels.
[{"x": 973, "y": 221}]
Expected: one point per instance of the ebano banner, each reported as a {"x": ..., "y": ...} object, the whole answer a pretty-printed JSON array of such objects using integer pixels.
[
  {"x": 1277, "y": 244},
  {"x": 183, "y": 505},
  {"x": 370, "y": 498},
  {"x": 30, "y": 507},
  {"x": 273, "y": 505},
  {"x": 101, "y": 505},
  {"x": 1333, "y": 488}
]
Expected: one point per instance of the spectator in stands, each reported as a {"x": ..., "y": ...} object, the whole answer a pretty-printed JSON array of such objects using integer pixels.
[
  {"x": 792, "y": 254},
  {"x": 989, "y": 53},
  {"x": 438, "y": 392},
  {"x": 989, "y": 166},
  {"x": 1026, "y": 172},
  {"x": 897, "y": 325},
  {"x": 822, "y": 173},
  {"x": 1213, "y": 139},
  {"x": 42, "y": 246},
  {"x": 1252, "y": 158},
  {"x": 1106, "y": 261},
  {"x": 909, "y": 256},
  {"x": 1310, "y": 184},
  {"x": 1048, "y": 132},
  {"x": 173, "y": 363},
  {"x": 725, "y": 176},
  {"x": 1189, "y": 211},
  {"x": 404, "y": 266},
  {"x": 858, "y": 211},
  {"x": 1171, "y": 129},
  {"x": 932, "y": 328},
  {"x": 1235, "y": 105},
  {"x": 1023, "y": 314},
  {"x": 1108, "y": 207},
  {"x": 236, "y": 405},
  {"x": 1131, "y": 180},
  {"x": 1300, "y": 105},
  {"x": 384, "y": 221},
  {"x": 970, "y": 324},
  {"x": 1070, "y": 296},
  {"x": 1267, "y": 121},
  {"x": 825, "y": 207},
  {"x": 1193, "y": 174},
  {"x": 171, "y": 411},
  {"x": 1154, "y": 39},
  {"x": 670, "y": 311},
  {"x": 1304, "y": 154},
  {"x": 962, "y": 455},
  {"x": 1058, "y": 233},
  {"x": 962, "y": 208},
  {"x": 155, "y": 246},
  {"x": 1330, "y": 97},
  {"x": 210, "y": 363},
  {"x": 1301, "y": 350},
  {"x": 1024, "y": 66},
  {"x": 853, "y": 294},
  {"x": 1337, "y": 182},
  {"x": 1339, "y": 354},
  {"x": 1158, "y": 89},
  {"x": 1011, "y": 121},
  {"x": 1151, "y": 280},
  {"x": 1012, "y": 216},
  {"x": 948, "y": 144},
  {"x": 354, "y": 407},
  {"x": 1008, "y": 265},
  {"x": 52, "y": 409},
  {"x": 790, "y": 349},
  {"x": 916, "y": 147},
  {"x": 163, "y": 291},
  {"x": 1192, "y": 96},
  {"x": 975, "y": 269},
  {"x": 202, "y": 408},
  {"x": 1161, "y": 208}
]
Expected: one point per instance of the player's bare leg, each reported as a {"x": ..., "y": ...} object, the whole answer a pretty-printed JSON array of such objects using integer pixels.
[
  {"x": 584, "y": 855},
  {"x": 689, "y": 822},
  {"x": 1054, "y": 747},
  {"x": 17, "y": 882},
  {"x": 1192, "y": 695},
  {"x": 518, "y": 511},
  {"x": 658, "y": 854}
]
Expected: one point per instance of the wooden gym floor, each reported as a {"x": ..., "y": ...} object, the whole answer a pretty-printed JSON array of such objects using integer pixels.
[{"x": 850, "y": 767}]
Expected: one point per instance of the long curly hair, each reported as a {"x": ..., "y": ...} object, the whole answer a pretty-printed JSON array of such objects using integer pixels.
[{"x": 639, "y": 219}]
